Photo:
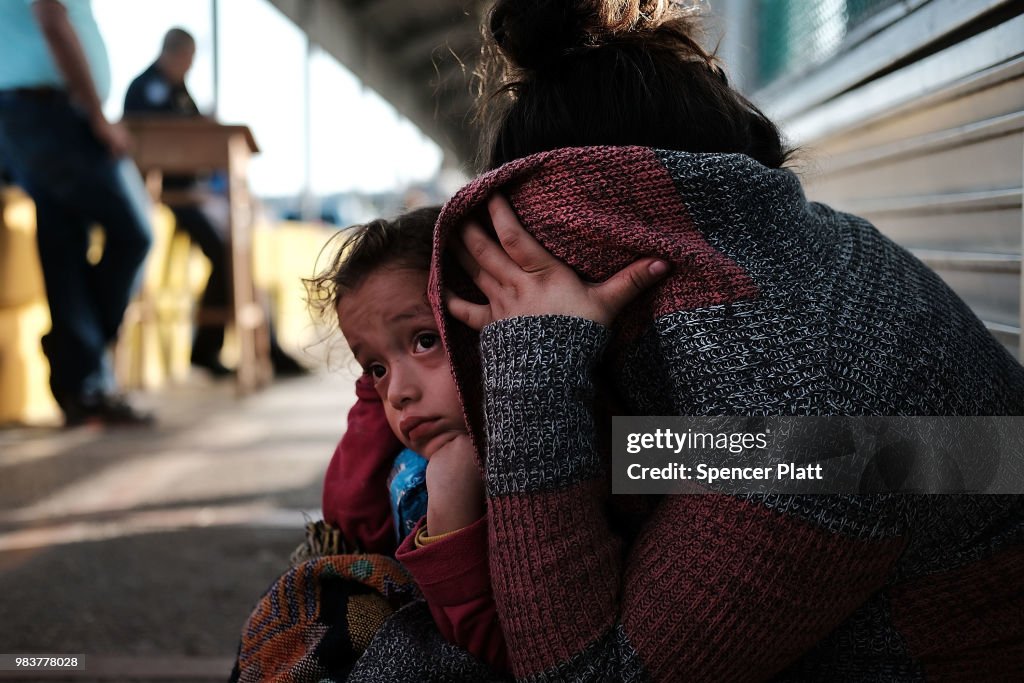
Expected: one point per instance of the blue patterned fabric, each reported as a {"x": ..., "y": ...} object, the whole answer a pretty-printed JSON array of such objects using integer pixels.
[{"x": 408, "y": 488}]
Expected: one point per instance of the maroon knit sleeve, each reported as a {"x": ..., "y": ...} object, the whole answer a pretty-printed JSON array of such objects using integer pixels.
[
  {"x": 713, "y": 587},
  {"x": 355, "y": 497},
  {"x": 453, "y": 575}
]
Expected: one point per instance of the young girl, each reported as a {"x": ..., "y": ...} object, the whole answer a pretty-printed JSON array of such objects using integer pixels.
[{"x": 377, "y": 284}]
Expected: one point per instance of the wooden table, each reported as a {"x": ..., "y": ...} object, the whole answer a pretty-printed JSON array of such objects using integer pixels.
[{"x": 193, "y": 146}]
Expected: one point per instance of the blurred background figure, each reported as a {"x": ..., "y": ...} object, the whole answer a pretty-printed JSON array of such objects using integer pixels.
[
  {"x": 161, "y": 88},
  {"x": 59, "y": 146},
  {"x": 196, "y": 204}
]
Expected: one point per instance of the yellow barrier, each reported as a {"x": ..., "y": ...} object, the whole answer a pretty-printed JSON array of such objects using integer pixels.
[
  {"x": 24, "y": 317},
  {"x": 285, "y": 255},
  {"x": 156, "y": 335}
]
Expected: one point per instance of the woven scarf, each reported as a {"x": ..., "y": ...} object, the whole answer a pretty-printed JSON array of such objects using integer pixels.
[{"x": 317, "y": 619}]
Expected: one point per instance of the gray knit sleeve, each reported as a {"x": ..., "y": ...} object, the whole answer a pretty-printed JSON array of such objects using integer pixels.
[{"x": 538, "y": 397}]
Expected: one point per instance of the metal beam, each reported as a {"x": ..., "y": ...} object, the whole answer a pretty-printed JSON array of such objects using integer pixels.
[
  {"x": 215, "y": 29},
  {"x": 435, "y": 44},
  {"x": 930, "y": 22},
  {"x": 398, "y": 11},
  {"x": 342, "y": 33}
]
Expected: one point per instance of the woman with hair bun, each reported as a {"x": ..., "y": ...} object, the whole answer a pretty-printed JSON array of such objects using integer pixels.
[
  {"x": 671, "y": 265},
  {"x": 565, "y": 73},
  {"x": 621, "y": 147}
]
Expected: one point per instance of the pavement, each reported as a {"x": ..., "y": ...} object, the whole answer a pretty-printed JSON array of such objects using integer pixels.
[{"x": 145, "y": 549}]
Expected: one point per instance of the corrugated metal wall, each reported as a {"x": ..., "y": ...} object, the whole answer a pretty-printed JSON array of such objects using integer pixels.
[{"x": 932, "y": 150}]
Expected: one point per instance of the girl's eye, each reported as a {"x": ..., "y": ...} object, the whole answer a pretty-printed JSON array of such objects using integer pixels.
[
  {"x": 426, "y": 341},
  {"x": 377, "y": 371}
]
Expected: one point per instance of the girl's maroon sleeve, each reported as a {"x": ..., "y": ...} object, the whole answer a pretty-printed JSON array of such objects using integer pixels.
[
  {"x": 454, "y": 576},
  {"x": 355, "y": 496}
]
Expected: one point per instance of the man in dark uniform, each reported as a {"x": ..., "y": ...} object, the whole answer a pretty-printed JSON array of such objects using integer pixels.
[
  {"x": 161, "y": 87},
  {"x": 161, "y": 90}
]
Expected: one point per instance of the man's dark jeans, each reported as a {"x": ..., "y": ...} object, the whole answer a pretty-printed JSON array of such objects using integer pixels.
[
  {"x": 52, "y": 153},
  {"x": 213, "y": 242}
]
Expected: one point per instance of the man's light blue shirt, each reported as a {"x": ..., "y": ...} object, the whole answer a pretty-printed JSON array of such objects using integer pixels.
[{"x": 25, "y": 60}]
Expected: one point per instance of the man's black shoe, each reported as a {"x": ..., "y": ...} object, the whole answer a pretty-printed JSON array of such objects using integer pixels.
[
  {"x": 105, "y": 409},
  {"x": 114, "y": 409},
  {"x": 212, "y": 365},
  {"x": 284, "y": 365}
]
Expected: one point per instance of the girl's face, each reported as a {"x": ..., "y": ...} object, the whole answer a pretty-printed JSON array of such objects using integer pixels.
[{"x": 391, "y": 330}]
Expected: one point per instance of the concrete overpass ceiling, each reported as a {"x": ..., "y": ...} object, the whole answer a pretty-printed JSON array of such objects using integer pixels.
[{"x": 418, "y": 54}]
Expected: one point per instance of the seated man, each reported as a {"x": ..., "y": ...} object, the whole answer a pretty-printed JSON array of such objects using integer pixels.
[{"x": 161, "y": 90}]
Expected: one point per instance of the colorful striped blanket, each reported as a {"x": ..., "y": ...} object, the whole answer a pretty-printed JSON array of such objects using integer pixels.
[{"x": 318, "y": 618}]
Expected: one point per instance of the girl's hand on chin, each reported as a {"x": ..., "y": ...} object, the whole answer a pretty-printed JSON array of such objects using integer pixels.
[
  {"x": 455, "y": 491},
  {"x": 520, "y": 277}
]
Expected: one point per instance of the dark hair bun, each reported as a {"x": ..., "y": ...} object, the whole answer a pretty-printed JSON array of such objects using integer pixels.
[{"x": 534, "y": 34}]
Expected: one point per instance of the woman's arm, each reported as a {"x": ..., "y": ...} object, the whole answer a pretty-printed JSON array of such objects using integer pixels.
[{"x": 714, "y": 588}]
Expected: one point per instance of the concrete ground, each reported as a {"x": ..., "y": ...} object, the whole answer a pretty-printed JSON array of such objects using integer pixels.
[{"x": 145, "y": 549}]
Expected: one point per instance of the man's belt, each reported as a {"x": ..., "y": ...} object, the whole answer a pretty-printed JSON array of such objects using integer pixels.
[{"x": 39, "y": 94}]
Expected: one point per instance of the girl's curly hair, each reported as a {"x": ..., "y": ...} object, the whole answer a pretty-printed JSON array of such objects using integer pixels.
[{"x": 406, "y": 241}]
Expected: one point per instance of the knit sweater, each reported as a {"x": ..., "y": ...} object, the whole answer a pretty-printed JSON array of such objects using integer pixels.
[{"x": 774, "y": 306}]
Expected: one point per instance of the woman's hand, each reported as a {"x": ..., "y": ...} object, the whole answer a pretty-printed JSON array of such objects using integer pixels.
[
  {"x": 520, "y": 277},
  {"x": 455, "y": 491}
]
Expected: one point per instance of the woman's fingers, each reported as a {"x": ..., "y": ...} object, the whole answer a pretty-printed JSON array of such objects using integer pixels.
[
  {"x": 487, "y": 284},
  {"x": 475, "y": 316},
  {"x": 520, "y": 245},
  {"x": 618, "y": 290},
  {"x": 486, "y": 255},
  {"x": 520, "y": 277}
]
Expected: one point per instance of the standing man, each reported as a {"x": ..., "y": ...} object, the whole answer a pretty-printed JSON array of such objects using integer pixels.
[
  {"x": 54, "y": 76},
  {"x": 161, "y": 90}
]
